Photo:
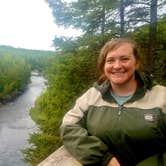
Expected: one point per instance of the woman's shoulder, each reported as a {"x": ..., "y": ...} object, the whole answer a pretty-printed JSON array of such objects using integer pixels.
[
  {"x": 92, "y": 94},
  {"x": 159, "y": 88}
]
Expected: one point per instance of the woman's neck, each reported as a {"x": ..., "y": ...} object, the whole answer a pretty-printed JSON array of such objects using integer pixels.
[{"x": 125, "y": 89}]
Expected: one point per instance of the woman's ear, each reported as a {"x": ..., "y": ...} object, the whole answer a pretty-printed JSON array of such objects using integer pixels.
[{"x": 138, "y": 65}]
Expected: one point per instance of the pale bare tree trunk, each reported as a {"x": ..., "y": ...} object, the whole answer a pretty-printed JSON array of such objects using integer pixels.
[
  {"x": 122, "y": 22},
  {"x": 152, "y": 35}
]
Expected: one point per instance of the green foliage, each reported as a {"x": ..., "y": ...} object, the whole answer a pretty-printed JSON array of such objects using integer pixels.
[
  {"x": 68, "y": 76},
  {"x": 14, "y": 75},
  {"x": 37, "y": 59},
  {"x": 160, "y": 56},
  {"x": 42, "y": 141},
  {"x": 15, "y": 67},
  {"x": 84, "y": 14},
  {"x": 141, "y": 36}
]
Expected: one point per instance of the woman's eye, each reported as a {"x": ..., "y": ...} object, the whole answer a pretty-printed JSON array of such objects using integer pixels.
[
  {"x": 110, "y": 61},
  {"x": 124, "y": 59}
]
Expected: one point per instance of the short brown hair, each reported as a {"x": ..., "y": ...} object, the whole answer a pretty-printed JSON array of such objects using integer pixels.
[{"x": 112, "y": 45}]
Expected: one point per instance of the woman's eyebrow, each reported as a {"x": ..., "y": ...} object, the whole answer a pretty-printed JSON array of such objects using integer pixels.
[{"x": 121, "y": 56}]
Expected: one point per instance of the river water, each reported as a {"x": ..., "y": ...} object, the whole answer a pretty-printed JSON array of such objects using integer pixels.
[{"x": 16, "y": 124}]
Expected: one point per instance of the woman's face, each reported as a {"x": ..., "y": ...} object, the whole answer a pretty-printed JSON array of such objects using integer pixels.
[{"x": 120, "y": 65}]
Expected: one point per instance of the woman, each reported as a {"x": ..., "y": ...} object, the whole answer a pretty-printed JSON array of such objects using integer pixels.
[{"x": 121, "y": 120}]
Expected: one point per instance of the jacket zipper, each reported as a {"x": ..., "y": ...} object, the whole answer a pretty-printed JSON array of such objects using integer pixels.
[
  {"x": 120, "y": 107},
  {"x": 120, "y": 111}
]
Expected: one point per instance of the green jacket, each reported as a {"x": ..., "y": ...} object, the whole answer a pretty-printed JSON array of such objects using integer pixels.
[{"x": 97, "y": 128}]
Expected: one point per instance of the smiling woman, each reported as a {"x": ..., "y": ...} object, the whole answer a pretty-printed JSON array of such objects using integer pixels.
[
  {"x": 119, "y": 65},
  {"x": 121, "y": 120}
]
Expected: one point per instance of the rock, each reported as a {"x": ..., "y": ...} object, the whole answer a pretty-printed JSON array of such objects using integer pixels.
[{"x": 60, "y": 157}]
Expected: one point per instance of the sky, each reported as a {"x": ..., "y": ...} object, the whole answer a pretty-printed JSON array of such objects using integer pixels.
[{"x": 29, "y": 24}]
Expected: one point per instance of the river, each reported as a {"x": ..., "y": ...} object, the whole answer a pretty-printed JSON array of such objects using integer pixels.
[{"x": 16, "y": 124}]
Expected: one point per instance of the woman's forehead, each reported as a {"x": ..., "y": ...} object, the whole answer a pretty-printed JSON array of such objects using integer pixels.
[{"x": 125, "y": 47}]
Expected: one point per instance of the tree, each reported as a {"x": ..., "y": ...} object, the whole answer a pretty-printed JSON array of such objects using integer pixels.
[
  {"x": 141, "y": 12},
  {"x": 152, "y": 35},
  {"x": 122, "y": 23},
  {"x": 90, "y": 16}
]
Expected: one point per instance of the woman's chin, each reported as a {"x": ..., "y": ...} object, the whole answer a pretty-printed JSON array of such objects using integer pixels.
[{"x": 119, "y": 81}]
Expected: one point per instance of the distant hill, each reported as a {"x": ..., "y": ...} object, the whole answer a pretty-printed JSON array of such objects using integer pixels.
[
  {"x": 37, "y": 59},
  {"x": 22, "y": 51}
]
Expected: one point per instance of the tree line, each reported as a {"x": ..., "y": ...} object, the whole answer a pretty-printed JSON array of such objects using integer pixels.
[
  {"x": 14, "y": 75},
  {"x": 15, "y": 69}
]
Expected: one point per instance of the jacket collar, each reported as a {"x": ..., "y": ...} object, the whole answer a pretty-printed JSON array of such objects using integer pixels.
[{"x": 144, "y": 84}]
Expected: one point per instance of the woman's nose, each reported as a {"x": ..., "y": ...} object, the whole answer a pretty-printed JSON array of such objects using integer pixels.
[{"x": 117, "y": 64}]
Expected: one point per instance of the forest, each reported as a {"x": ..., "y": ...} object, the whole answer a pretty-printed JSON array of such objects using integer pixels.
[
  {"x": 16, "y": 65},
  {"x": 74, "y": 68}
]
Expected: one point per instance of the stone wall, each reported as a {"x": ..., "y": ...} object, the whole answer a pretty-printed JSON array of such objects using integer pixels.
[{"x": 60, "y": 157}]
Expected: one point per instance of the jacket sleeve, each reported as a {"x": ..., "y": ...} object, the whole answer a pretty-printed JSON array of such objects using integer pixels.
[{"x": 86, "y": 148}]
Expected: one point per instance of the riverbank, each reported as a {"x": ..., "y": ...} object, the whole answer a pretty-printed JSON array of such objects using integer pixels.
[
  {"x": 15, "y": 94},
  {"x": 12, "y": 96}
]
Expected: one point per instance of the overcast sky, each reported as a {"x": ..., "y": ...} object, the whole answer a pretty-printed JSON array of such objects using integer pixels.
[{"x": 28, "y": 24}]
